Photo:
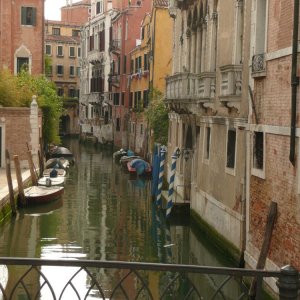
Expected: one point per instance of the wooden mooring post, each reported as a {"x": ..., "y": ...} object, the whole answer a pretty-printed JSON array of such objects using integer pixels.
[
  {"x": 33, "y": 172},
  {"x": 10, "y": 185},
  {"x": 19, "y": 180},
  {"x": 264, "y": 249}
]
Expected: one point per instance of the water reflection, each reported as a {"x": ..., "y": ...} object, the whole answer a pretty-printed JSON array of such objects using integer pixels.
[{"x": 105, "y": 215}]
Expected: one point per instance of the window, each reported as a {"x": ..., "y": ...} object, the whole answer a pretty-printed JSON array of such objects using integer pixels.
[
  {"x": 124, "y": 64},
  {"x": 72, "y": 51},
  {"x": 72, "y": 71},
  {"x": 146, "y": 62},
  {"x": 48, "y": 50},
  {"x": 79, "y": 52},
  {"x": 99, "y": 6},
  {"x": 22, "y": 64},
  {"x": 60, "y": 70},
  {"x": 231, "y": 142},
  {"x": 143, "y": 33},
  {"x": 145, "y": 98},
  {"x": 75, "y": 32},
  {"x": 258, "y": 150},
  {"x": 142, "y": 129},
  {"x": 28, "y": 16},
  {"x": 55, "y": 31},
  {"x": 116, "y": 99},
  {"x": 118, "y": 125},
  {"x": 207, "y": 143},
  {"x": 60, "y": 92},
  {"x": 78, "y": 71},
  {"x": 72, "y": 93},
  {"x": 60, "y": 51}
]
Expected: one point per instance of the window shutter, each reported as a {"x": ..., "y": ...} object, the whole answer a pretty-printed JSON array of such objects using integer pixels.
[
  {"x": 33, "y": 16},
  {"x": 23, "y": 15}
]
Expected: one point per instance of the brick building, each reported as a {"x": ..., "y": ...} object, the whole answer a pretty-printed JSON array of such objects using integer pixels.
[
  {"x": 273, "y": 173},
  {"x": 22, "y": 35}
]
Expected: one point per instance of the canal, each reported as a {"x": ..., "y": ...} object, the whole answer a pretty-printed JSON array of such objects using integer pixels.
[{"x": 105, "y": 215}]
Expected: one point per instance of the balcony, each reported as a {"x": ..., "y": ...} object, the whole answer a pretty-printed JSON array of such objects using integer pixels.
[
  {"x": 207, "y": 89},
  {"x": 259, "y": 65},
  {"x": 231, "y": 86},
  {"x": 115, "y": 46},
  {"x": 96, "y": 57},
  {"x": 189, "y": 92},
  {"x": 182, "y": 86}
]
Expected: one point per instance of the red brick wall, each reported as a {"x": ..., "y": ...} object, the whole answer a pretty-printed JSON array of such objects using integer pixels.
[
  {"x": 16, "y": 126},
  {"x": 279, "y": 186},
  {"x": 13, "y": 34},
  {"x": 273, "y": 105}
]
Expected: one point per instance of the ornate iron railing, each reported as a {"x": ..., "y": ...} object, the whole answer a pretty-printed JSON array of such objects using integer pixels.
[
  {"x": 86, "y": 279},
  {"x": 258, "y": 63}
]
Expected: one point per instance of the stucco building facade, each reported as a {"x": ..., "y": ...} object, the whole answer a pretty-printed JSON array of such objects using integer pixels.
[
  {"x": 207, "y": 94},
  {"x": 63, "y": 57}
]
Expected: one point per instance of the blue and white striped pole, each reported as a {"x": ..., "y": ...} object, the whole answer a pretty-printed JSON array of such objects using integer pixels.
[
  {"x": 171, "y": 185},
  {"x": 161, "y": 175}
]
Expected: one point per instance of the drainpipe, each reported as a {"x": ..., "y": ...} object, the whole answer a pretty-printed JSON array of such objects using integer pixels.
[{"x": 294, "y": 82}]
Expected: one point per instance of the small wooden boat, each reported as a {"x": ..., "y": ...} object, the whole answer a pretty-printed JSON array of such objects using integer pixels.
[
  {"x": 60, "y": 172},
  {"x": 57, "y": 163},
  {"x": 125, "y": 159},
  {"x": 118, "y": 154},
  {"x": 61, "y": 152},
  {"x": 50, "y": 181},
  {"x": 139, "y": 166},
  {"x": 42, "y": 194}
]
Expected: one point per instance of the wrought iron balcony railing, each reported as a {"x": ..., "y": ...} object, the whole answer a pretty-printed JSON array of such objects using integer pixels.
[{"x": 84, "y": 279}]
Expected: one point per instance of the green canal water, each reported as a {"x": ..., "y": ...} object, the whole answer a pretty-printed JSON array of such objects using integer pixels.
[{"x": 105, "y": 215}]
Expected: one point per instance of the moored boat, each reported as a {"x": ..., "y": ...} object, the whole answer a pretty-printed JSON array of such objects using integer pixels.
[
  {"x": 139, "y": 167},
  {"x": 125, "y": 159},
  {"x": 57, "y": 163},
  {"x": 41, "y": 194},
  {"x": 50, "y": 181}
]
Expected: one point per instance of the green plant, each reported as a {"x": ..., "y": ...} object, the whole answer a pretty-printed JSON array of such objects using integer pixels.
[
  {"x": 17, "y": 91},
  {"x": 157, "y": 115}
]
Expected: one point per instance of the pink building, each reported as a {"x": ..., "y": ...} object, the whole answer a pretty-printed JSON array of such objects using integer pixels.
[{"x": 124, "y": 36}]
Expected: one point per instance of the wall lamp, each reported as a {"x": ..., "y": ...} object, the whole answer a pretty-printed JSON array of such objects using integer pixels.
[{"x": 186, "y": 153}]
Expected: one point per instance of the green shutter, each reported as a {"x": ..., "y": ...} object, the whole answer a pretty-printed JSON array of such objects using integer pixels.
[
  {"x": 23, "y": 15},
  {"x": 33, "y": 16}
]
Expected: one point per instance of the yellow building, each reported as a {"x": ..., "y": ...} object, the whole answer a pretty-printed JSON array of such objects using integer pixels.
[
  {"x": 161, "y": 41},
  {"x": 151, "y": 62},
  {"x": 139, "y": 89},
  {"x": 63, "y": 50}
]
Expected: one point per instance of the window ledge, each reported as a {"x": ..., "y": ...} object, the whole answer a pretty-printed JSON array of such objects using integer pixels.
[
  {"x": 258, "y": 173},
  {"x": 230, "y": 171}
]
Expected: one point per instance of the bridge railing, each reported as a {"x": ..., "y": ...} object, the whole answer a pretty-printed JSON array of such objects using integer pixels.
[{"x": 87, "y": 279}]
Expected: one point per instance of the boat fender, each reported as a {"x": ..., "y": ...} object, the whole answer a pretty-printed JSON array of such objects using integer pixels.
[{"x": 48, "y": 181}]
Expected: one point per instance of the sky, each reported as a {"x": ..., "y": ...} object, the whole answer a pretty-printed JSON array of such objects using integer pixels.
[{"x": 52, "y": 8}]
